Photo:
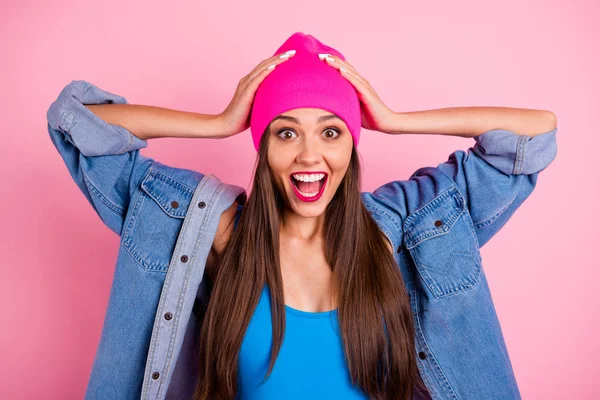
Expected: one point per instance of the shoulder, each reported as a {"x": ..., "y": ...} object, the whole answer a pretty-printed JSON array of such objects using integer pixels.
[
  {"x": 174, "y": 188},
  {"x": 225, "y": 228}
]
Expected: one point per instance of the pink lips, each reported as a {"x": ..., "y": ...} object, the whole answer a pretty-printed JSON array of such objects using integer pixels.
[{"x": 315, "y": 197}]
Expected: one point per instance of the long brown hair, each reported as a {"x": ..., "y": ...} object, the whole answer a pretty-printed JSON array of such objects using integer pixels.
[{"x": 374, "y": 313}]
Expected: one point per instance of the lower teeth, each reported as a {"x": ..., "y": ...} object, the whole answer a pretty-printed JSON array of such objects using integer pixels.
[{"x": 308, "y": 194}]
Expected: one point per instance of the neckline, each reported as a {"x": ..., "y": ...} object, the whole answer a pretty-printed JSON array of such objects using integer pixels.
[
  {"x": 310, "y": 314},
  {"x": 301, "y": 313}
]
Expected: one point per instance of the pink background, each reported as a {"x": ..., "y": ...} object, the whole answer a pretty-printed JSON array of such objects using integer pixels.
[{"x": 58, "y": 258}]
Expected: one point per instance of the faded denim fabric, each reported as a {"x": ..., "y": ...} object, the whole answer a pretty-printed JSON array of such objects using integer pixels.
[{"x": 437, "y": 220}]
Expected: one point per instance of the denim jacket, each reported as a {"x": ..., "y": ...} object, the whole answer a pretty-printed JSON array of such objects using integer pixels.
[{"x": 166, "y": 217}]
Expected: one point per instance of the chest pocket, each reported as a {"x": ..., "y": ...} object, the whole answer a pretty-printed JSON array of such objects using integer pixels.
[
  {"x": 441, "y": 240},
  {"x": 151, "y": 233}
]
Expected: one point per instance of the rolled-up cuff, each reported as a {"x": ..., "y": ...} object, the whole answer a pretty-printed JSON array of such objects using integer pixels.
[
  {"x": 516, "y": 154},
  {"x": 89, "y": 133}
]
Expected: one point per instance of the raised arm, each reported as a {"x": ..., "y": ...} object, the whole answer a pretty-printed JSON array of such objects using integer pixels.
[
  {"x": 150, "y": 122},
  {"x": 99, "y": 135},
  {"x": 92, "y": 131},
  {"x": 472, "y": 121},
  {"x": 494, "y": 177}
]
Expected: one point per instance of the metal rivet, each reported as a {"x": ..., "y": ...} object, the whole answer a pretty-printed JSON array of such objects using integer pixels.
[
  {"x": 422, "y": 355},
  {"x": 438, "y": 223},
  {"x": 174, "y": 204},
  {"x": 184, "y": 258},
  {"x": 168, "y": 316},
  {"x": 155, "y": 375},
  {"x": 202, "y": 204}
]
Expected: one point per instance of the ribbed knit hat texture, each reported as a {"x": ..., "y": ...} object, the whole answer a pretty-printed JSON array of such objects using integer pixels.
[{"x": 305, "y": 81}]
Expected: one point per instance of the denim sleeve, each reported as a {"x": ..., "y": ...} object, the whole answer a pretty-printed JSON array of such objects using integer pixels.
[
  {"x": 103, "y": 159},
  {"x": 495, "y": 177},
  {"x": 498, "y": 174}
]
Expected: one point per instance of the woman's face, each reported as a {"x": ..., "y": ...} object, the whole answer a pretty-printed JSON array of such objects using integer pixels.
[{"x": 313, "y": 143}]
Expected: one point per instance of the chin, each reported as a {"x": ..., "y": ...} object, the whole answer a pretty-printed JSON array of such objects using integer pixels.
[{"x": 309, "y": 211}]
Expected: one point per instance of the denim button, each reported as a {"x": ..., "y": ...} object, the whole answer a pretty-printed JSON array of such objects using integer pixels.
[
  {"x": 202, "y": 204},
  {"x": 422, "y": 355},
  {"x": 155, "y": 375},
  {"x": 438, "y": 223},
  {"x": 184, "y": 258},
  {"x": 168, "y": 316},
  {"x": 174, "y": 204}
]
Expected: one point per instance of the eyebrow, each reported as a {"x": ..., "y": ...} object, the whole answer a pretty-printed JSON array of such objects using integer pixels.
[{"x": 319, "y": 120}]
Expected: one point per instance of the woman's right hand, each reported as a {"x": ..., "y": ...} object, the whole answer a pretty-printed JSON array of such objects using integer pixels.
[{"x": 236, "y": 117}]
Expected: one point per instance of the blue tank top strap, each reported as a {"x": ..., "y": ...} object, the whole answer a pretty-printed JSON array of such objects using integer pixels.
[{"x": 237, "y": 215}]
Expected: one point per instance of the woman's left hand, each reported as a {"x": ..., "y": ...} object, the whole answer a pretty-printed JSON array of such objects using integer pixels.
[{"x": 374, "y": 114}]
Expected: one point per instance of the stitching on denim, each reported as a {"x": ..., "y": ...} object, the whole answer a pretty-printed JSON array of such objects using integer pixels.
[
  {"x": 100, "y": 196},
  {"x": 87, "y": 86},
  {"x": 453, "y": 216},
  {"x": 157, "y": 320},
  {"x": 128, "y": 242},
  {"x": 483, "y": 224},
  {"x": 154, "y": 194},
  {"x": 383, "y": 228},
  {"x": 429, "y": 354},
  {"x": 129, "y": 141},
  {"x": 383, "y": 211},
  {"x": 469, "y": 221},
  {"x": 176, "y": 214},
  {"x": 184, "y": 289},
  {"x": 431, "y": 232},
  {"x": 520, "y": 150},
  {"x": 429, "y": 204},
  {"x": 127, "y": 234},
  {"x": 168, "y": 179},
  {"x": 454, "y": 289},
  {"x": 148, "y": 267}
]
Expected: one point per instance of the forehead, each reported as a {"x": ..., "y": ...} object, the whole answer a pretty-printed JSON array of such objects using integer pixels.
[{"x": 306, "y": 115}]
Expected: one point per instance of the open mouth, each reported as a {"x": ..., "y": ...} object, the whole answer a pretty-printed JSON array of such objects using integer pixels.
[{"x": 309, "y": 186}]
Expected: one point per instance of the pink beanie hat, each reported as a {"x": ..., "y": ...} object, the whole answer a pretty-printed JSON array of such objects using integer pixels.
[{"x": 305, "y": 81}]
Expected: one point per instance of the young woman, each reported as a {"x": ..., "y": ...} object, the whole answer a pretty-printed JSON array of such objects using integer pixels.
[{"x": 311, "y": 287}]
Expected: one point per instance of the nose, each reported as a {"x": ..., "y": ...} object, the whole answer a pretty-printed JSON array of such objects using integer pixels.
[{"x": 310, "y": 152}]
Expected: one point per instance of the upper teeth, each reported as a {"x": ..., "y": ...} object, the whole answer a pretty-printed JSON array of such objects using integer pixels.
[{"x": 308, "y": 177}]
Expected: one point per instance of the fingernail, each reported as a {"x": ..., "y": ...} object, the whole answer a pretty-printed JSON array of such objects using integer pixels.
[
  {"x": 271, "y": 66},
  {"x": 323, "y": 55},
  {"x": 343, "y": 69},
  {"x": 288, "y": 53},
  {"x": 329, "y": 59}
]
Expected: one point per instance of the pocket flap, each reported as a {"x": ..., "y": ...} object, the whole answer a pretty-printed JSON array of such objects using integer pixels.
[
  {"x": 172, "y": 196},
  {"x": 434, "y": 218}
]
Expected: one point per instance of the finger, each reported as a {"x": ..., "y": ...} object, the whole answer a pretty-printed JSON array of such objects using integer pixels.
[
  {"x": 258, "y": 77},
  {"x": 339, "y": 61},
  {"x": 276, "y": 59},
  {"x": 359, "y": 85}
]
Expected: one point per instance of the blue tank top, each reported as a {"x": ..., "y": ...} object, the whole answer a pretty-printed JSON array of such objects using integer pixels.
[{"x": 310, "y": 363}]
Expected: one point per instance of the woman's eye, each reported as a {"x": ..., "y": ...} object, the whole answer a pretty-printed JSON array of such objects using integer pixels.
[
  {"x": 285, "y": 131},
  {"x": 287, "y": 134},
  {"x": 335, "y": 131}
]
